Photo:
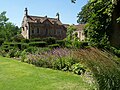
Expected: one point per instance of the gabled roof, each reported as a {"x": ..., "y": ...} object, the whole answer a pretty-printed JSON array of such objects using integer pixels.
[{"x": 34, "y": 19}]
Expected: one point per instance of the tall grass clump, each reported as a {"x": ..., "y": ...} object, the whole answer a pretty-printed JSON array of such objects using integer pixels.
[{"x": 105, "y": 69}]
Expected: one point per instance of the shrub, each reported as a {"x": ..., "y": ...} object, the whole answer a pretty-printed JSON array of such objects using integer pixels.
[
  {"x": 31, "y": 49},
  {"x": 78, "y": 69},
  {"x": 23, "y": 55},
  {"x": 61, "y": 43},
  {"x": 24, "y": 46},
  {"x": 83, "y": 44},
  {"x": 1, "y": 41},
  {"x": 36, "y": 40},
  {"x": 17, "y": 53},
  {"x": 25, "y": 40},
  {"x": 18, "y": 38},
  {"x": 68, "y": 43},
  {"x": 77, "y": 44},
  {"x": 54, "y": 46},
  {"x": 38, "y": 44},
  {"x": 20, "y": 46},
  {"x": 11, "y": 53},
  {"x": 64, "y": 63},
  {"x": 115, "y": 51},
  {"x": 50, "y": 40}
]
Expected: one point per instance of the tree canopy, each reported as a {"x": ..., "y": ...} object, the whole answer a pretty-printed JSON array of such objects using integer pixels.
[
  {"x": 7, "y": 29},
  {"x": 98, "y": 17}
]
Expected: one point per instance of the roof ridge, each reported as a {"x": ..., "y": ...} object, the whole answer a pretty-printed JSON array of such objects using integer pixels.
[{"x": 42, "y": 17}]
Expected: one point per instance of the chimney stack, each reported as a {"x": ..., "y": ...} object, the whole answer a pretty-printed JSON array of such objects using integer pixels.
[
  {"x": 58, "y": 16},
  {"x": 26, "y": 12}
]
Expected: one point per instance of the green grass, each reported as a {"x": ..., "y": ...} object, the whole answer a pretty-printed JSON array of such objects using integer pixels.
[{"x": 15, "y": 75}]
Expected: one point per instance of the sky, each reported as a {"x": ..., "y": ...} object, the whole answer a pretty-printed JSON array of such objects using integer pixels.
[{"x": 67, "y": 10}]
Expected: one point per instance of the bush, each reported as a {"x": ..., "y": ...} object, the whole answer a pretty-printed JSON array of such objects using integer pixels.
[
  {"x": 54, "y": 46},
  {"x": 83, "y": 44},
  {"x": 23, "y": 55},
  {"x": 1, "y": 41},
  {"x": 78, "y": 69},
  {"x": 25, "y": 40},
  {"x": 61, "y": 43},
  {"x": 77, "y": 44},
  {"x": 31, "y": 49},
  {"x": 11, "y": 53},
  {"x": 38, "y": 44},
  {"x": 64, "y": 63},
  {"x": 115, "y": 51},
  {"x": 18, "y": 38},
  {"x": 24, "y": 46},
  {"x": 36, "y": 40},
  {"x": 68, "y": 43},
  {"x": 50, "y": 40},
  {"x": 17, "y": 53},
  {"x": 20, "y": 46}
]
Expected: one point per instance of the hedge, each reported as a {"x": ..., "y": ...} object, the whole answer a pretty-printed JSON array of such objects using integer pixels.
[
  {"x": 54, "y": 46},
  {"x": 38, "y": 44}
]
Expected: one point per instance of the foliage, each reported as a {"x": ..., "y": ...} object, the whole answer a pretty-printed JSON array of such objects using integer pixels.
[
  {"x": 18, "y": 38},
  {"x": 11, "y": 53},
  {"x": 38, "y": 44},
  {"x": 7, "y": 29},
  {"x": 115, "y": 51},
  {"x": 23, "y": 55},
  {"x": 1, "y": 41},
  {"x": 61, "y": 43},
  {"x": 36, "y": 39},
  {"x": 97, "y": 16},
  {"x": 70, "y": 31},
  {"x": 105, "y": 68},
  {"x": 54, "y": 46},
  {"x": 50, "y": 40},
  {"x": 25, "y": 40},
  {"x": 78, "y": 69}
]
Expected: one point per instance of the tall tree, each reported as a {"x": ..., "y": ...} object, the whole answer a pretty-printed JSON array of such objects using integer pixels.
[
  {"x": 7, "y": 29},
  {"x": 101, "y": 17}
]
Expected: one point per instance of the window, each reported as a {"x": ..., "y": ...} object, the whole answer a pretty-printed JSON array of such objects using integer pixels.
[
  {"x": 51, "y": 32},
  {"x": 59, "y": 31},
  {"x": 46, "y": 32},
  {"x": 32, "y": 31},
  {"x": 37, "y": 30}
]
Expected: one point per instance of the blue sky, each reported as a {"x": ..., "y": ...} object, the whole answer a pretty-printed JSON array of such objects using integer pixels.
[{"x": 68, "y": 11}]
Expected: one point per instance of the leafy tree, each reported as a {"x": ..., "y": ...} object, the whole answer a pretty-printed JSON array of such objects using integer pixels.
[
  {"x": 7, "y": 29},
  {"x": 101, "y": 21},
  {"x": 70, "y": 31}
]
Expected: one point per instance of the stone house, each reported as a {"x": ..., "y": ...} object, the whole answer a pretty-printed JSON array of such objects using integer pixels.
[
  {"x": 42, "y": 27},
  {"x": 80, "y": 32}
]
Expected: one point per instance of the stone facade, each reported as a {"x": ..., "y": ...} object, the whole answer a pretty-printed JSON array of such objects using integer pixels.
[
  {"x": 80, "y": 32},
  {"x": 42, "y": 27}
]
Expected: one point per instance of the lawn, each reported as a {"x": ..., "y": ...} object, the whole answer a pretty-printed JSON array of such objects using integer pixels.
[{"x": 15, "y": 75}]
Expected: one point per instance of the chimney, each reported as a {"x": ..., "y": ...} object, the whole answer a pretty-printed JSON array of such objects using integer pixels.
[
  {"x": 58, "y": 16},
  {"x": 26, "y": 12}
]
